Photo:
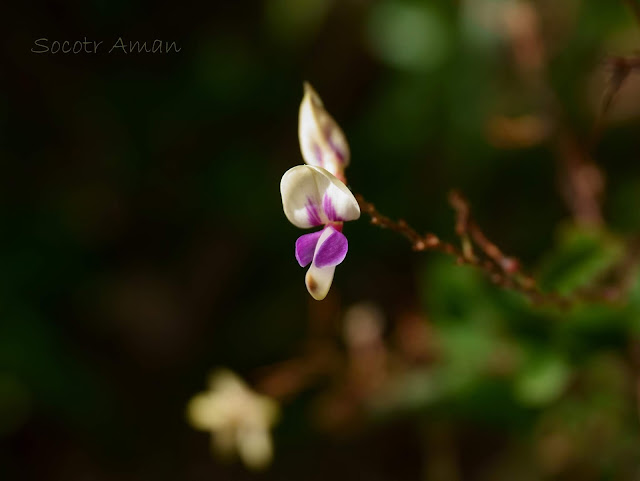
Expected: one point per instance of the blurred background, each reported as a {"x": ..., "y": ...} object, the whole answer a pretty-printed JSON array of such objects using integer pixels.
[{"x": 144, "y": 242}]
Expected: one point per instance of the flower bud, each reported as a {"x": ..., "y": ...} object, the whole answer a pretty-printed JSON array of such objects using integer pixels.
[{"x": 322, "y": 141}]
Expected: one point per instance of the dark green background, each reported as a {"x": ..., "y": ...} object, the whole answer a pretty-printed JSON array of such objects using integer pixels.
[{"x": 143, "y": 239}]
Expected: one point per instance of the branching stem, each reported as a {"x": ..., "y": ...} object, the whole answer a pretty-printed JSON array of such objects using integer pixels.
[{"x": 505, "y": 271}]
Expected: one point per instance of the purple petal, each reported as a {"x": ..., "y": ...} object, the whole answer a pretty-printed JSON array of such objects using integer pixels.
[
  {"x": 306, "y": 246},
  {"x": 332, "y": 251},
  {"x": 312, "y": 213},
  {"x": 329, "y": 209}
]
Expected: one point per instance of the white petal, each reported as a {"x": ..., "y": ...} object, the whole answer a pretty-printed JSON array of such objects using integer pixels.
[
  {"x": 318, "y": 281},
  {"x": 345, "y": 204},
  {"x": 255, "y": 447},
  {"x": 202, "y": 412},
  {"x": 322, "y": 141},
  {"x": 225, "y": 380},
  {"x": 305, "y": 190}
]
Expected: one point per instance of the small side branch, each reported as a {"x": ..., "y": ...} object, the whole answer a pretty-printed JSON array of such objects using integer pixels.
[
  {"x": 501, "y": 269},
  {"x": 620, "y": 68},
  {"x": 505, "y": 271}
]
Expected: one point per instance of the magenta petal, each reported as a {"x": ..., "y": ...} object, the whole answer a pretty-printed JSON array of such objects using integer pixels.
[
  {"x": 332, "y": 251},
  {"x": 306, "y": 246}
]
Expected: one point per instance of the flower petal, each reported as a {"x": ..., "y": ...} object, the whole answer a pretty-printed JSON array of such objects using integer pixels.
[
  {"x": 342, "y": 206},
  {"x": 331, "y": 248},
  {"x": 307, "y": 190},
  {"x": 322, "y": 142},
  {"x": 318, "y": 281},
  {"x": 306, "y": 247},
  {"x": 224, "y": 380},
  {"x": 203, "y": 412},
  {"x": 255, "y": 447}
]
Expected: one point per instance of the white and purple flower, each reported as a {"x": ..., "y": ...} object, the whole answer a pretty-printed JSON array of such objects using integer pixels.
[
  {"x": 322, "y": 141},
  {"x": 314, "y": 197}
]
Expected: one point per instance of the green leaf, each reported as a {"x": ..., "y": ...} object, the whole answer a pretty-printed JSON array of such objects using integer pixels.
[
  {"x": 580, "y": 257},
  {"x": 542, "y": 379}
]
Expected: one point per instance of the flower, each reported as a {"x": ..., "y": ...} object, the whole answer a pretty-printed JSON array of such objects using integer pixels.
[
  {"x": 239, "y": 419},
  {"x": 322, "y": 142},
  {"x": 312, "y": 197}
]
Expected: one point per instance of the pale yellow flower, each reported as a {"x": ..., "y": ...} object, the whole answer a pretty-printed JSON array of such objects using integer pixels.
[{"x": 238, "y": 418}]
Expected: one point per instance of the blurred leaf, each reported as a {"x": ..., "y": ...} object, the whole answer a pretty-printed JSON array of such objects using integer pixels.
[
  {"x": 467, "y": 351},
  {"x": 411, "y": 36},
  {"x": 542, "y": 379},
  {"x": 580, "y": 257},
  {"x": 459, "y": 293}
]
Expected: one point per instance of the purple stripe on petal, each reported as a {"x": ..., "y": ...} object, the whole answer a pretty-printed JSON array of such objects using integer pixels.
[
  {"x": 332, "y": 251},
  {"x": 306, "y": 247},
  {"x": 312, "y": 213},
  {"x": 336, "y": 144},
  {"x": 329, "y": 209},
  {"x": 317, "y": 152},
  {"x": 338, "y": 152}
]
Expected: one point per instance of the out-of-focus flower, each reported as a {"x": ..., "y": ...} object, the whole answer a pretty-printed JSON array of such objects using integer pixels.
[
  {"x": 238, "y": 418},
  {"x": 312, "y": 197},
  {"x": 322, "y": 142},
  {"x": 363, "y": 325}
]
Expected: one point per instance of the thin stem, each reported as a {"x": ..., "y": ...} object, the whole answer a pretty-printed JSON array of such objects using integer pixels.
[{"x": 502, "y": 270}]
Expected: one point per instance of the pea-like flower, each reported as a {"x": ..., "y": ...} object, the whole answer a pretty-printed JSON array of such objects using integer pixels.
[
  {"x": 238, "y": 418},
  {"x": 313, "y": 197},
  {"x": 322, "y": 141}
]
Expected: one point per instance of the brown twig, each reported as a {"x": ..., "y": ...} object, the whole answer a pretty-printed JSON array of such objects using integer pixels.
[
  {"x": 620, "y": 68},
  {"x": 581, "y": 181},
  {"x": 463, "y": 223},
  {"x": 502, "y": 270},
  {"x": 419, "y": 242},
  {"x": 507, "y": 264}
]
